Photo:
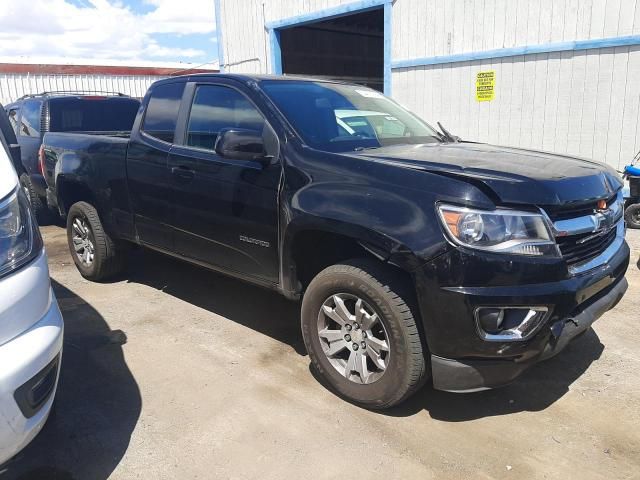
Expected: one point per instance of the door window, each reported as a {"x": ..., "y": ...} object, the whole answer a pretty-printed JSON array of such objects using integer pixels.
[
  {"x": 30, "y": 121},
  {"x": 162, "y": 111},
  {"x": 13, "y": 119},
  {"x": 216, "y": 108}
]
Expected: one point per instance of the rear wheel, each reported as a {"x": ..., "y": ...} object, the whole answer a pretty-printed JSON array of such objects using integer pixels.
[
  {"x": 95, "y": 254},
  {"x": 632, "y": 215},
  {"x": 361, "y": 334},
  {"x": 39, "y": 205}
]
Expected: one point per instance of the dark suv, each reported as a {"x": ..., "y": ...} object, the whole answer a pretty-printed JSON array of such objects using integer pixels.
[{"x": 32, "y": 116}]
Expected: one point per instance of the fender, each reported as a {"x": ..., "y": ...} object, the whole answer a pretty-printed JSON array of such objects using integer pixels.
[
  {"x": 392, "y": 227},
  {"x": 390, "y": 211},
  {"x": 95, "y": 165}
]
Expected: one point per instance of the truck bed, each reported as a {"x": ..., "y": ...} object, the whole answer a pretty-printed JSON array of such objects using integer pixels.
[
  {"x": 97, "y": 161},
  {"x": 87, "y": 153}
]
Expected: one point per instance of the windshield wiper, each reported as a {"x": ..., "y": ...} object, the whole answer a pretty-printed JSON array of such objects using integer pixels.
[{"x": 447, "y": 135}]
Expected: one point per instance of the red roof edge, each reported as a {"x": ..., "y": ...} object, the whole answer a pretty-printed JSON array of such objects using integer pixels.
[{"x": 48, "y": 69}]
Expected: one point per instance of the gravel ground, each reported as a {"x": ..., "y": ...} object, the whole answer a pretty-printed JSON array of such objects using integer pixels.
[{"x": 174, "y": 372}]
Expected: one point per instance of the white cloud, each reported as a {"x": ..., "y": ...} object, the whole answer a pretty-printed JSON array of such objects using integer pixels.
[
  {"x": 103, "y": 29},
  {"x": 173, "y": 16}
]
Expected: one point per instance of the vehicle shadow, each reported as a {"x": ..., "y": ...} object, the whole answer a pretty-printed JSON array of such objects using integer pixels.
[
  {"x": 537, "y": 389},
  {"x": 97, "y": 404},
  {"x": 270, "y": 314},
  {"x": 254, "y": 307}
]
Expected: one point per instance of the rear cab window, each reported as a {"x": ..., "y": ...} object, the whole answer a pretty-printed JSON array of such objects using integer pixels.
[
  {"x": 92, "y": 114},
  {"x": 161, "y": 116}
]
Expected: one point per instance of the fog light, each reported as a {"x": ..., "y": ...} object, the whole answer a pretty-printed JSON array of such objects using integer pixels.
[{"x": 509, "y": 324}]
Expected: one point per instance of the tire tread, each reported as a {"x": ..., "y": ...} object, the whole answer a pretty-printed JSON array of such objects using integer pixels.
[
  {"x": 402, "y": 298},
  {"x": 628, "y": 215},
  {"x": 110, "y": 260},
  {"x": 43, "y": 214}
]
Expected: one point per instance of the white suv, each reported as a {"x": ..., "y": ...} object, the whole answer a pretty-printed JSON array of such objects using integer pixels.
[{"x": 31, "y": 326}]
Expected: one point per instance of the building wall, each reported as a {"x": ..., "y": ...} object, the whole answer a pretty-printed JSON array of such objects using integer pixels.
[{"x": 577, "y": 101}]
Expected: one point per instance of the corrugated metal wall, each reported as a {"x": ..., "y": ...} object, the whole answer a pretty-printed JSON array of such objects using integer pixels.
[
  {"x": 584, "y": 102},
  {"x": 577, "y": 102},
  {"x": 13, "y": 86}
]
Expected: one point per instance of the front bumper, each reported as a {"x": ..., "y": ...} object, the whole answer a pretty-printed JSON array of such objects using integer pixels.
[
  {"x": 468, "y": 375},
  {"x": 460, "y": 359},
  {"x": 29, "y": 363}
]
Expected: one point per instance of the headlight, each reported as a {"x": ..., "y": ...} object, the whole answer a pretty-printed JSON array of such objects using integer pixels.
[
  {"x": 20, "y": 240},
  {"x": 501, "y": 231}
]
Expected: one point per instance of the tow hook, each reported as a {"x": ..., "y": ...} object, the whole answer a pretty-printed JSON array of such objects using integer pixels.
[
  {"x": 558, "y": 327},
  {"x": 572, "y": 320}
]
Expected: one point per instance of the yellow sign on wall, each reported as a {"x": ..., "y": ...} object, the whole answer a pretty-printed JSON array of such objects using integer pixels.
[{"x": 485, "y": 86}]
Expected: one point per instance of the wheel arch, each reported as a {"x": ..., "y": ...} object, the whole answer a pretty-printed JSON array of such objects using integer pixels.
[
  {"x": 308, "y": 247},
  {"x": 70, "y": 191}
]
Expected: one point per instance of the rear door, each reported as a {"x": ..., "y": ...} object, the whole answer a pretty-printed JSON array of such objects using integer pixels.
[
  {"x": 149, "y": 183},
  {"x": 225, "y": 211}
]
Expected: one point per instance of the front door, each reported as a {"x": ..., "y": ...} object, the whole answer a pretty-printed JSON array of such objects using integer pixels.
[{"x": 225, "y": 211}]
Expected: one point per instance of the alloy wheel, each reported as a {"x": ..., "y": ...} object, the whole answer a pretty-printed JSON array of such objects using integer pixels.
[
  {"x": 83, "y": 242},
  {"x": 353, "y": 338}
]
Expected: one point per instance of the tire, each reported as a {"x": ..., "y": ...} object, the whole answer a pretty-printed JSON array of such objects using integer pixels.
[
  {"x": 632, "y": 215},
  {"x": 38, "y": 205},
  {"x": 385, "y": 294},
  {"x": 107, "y": 259}
]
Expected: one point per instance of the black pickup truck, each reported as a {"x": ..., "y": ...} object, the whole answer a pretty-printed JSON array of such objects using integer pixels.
[
  {"x": 416, "y": 256},
  {"x": 35, "y": 116}
]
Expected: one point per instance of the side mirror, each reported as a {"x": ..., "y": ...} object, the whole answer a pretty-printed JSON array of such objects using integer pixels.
[{"x": 241, "y": 144}]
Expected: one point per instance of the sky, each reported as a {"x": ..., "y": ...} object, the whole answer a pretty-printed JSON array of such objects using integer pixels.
[{"x": 116, "y": 30}]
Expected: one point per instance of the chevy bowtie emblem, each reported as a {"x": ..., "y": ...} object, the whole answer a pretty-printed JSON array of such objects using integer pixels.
[{"x": 602, "y": 205}]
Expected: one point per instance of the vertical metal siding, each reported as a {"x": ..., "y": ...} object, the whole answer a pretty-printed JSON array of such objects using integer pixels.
[
  {"x": 583, "y": 103},
  {"x": 13, "y": 86}
]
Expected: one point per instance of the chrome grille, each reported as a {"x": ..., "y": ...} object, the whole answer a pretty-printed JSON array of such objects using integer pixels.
[
  {"x": 587, "y": 238},
  {"x": 577, "y": 249}
]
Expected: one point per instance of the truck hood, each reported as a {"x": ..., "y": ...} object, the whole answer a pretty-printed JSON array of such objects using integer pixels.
[{"x": 513, "y": 175}]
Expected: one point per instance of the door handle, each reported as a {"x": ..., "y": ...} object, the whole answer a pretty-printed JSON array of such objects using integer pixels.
[{"x": 183, "y": 172}]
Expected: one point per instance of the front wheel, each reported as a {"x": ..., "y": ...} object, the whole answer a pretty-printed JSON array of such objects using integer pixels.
[
  {"x": 361, "y": 334},
  {"x": 94, "y": 252},
  {"x": 632, "y": 215}
]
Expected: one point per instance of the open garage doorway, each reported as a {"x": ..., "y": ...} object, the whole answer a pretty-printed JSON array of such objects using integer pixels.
[
  {"x": 351, "y": 45},
  {"x": 347, "y": 48}
]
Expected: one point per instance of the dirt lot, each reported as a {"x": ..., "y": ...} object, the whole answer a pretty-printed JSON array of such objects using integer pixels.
[{"x": 178, "y": 373}]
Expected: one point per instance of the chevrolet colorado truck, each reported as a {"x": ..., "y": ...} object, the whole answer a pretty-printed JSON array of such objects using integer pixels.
[{"x": 416, "y": 256}]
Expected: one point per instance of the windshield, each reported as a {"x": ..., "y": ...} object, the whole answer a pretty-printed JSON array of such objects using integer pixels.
[
  {"x": 92, "y": 114},
  {"x": 341, "y": 118}
]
